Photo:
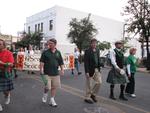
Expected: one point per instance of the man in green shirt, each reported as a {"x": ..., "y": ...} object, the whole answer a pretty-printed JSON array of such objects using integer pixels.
[{"x": 50, "y": 61}]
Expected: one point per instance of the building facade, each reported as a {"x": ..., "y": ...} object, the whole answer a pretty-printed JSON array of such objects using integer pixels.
[
  {"x": 9, "y": 39},
  {"x": 54, "y": 22}
]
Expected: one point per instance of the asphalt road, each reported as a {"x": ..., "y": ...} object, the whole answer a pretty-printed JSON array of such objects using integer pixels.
[{"x": 26, "y": 97}]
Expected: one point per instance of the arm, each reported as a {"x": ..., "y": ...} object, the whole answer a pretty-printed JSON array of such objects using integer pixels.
[
  {"x": 10, "y": 60},
  {"x": 62, "y": 69},
  {"x": 61, "y": 63},
  {"x": 128, "y": 70},
  {"x": 42, "y": 64},
  {"x": 86, "y": 63},
  {"x": 113, "y": 59},
  {"x": 41, "y": 68}
]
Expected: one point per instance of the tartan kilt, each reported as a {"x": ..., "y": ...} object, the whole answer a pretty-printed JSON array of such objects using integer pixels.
[
  {"x": 6, "y": 84},
  {"x": 114, "y": 77}
]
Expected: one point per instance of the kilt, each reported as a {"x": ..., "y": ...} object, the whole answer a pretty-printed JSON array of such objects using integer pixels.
[
  {"x": 6, "y": 84},
  {"x": 114, "y": 77}
]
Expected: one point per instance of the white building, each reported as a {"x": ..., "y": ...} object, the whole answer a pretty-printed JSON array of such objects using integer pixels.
[{"x": 54, "y": 22}]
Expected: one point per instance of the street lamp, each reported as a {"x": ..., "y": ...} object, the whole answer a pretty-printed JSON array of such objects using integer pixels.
[{"x": 123, "y": 38}]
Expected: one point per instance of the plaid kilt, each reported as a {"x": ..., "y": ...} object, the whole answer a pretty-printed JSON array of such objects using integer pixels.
[
  {"x": 114, "y": 77},
  {"x": 6, "y": 84}
]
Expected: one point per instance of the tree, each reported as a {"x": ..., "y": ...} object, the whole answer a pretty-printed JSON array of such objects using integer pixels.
[
  {"x": 81, "y": 31},
  {"x": 103, "y": 46},
  {"x": 138, "y": 14},
  {"x": 31, "y": 39}
]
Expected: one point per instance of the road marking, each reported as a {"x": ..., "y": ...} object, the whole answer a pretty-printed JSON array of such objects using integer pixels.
[{"x": 74, "y": 91}]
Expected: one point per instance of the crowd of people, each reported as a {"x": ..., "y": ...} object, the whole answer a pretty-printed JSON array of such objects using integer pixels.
[{"x": 51, "y": 59}]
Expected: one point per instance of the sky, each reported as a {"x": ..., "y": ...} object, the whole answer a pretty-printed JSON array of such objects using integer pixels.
[{"x": 13, "y": 13}]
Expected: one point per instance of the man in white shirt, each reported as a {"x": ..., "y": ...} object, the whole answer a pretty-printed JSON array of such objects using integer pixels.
[
  {"x": 117, "y": 74},
  {"x": 76, "y": 57}
]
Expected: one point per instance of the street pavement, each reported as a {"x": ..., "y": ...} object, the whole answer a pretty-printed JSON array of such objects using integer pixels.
[{"x": 26, "y": 97}]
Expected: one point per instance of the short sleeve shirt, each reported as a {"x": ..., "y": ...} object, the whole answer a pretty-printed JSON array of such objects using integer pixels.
[
  {"x": 7, "y": 57},
  {"x": 51, "y": 62},
  {"x": 132, "y": 61}
]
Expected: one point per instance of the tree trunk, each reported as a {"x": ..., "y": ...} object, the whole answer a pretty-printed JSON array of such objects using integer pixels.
[
  {"x": 142, "y": 48},
  {"x": 148, "y": 53}
]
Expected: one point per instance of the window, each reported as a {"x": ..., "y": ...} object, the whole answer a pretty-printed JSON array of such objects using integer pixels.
[
  {"x": 29, "y": 29},
  {"x": 42, "y": 27},
  {"x": 51, "y": 25},
  {"x": 38, "y": 27},
  {"x": 35, "y": 27}
]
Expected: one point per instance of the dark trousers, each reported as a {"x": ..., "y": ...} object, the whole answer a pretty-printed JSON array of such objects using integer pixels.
[
  {"x": 122, "y": 87},
  {"x": 130, "y": 88}
]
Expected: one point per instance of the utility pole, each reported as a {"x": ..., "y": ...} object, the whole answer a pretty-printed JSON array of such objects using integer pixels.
[{"x": 124, "y": 31}]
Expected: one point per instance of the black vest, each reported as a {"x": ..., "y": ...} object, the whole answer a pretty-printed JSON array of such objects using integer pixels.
[{"x": 119, "y": 58}]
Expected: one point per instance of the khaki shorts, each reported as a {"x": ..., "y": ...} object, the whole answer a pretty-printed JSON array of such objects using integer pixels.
[{"x": 53, "y": 82}]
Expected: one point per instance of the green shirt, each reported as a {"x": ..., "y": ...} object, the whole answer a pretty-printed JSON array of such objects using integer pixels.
[
  {"x": 132, "y": 61},
  {"x": 51, "y": 62}
]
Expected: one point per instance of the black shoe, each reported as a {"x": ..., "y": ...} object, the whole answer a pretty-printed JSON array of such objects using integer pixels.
[
  {"x": 123, "y": 98},
  {"x": 72, "y": 73},
  {"x": 16, "y": 76},
  {"x": 93, "y": 97},
  {"x": 112, "y": 97},
  {"x": 88, "y": 101},
  {"x": 79, "y": 73},
  {"x": 32, "y": 72}
]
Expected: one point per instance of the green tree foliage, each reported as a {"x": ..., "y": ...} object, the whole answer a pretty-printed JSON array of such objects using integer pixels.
[
  {"x": 125, "y": 45},
  {"x": 138, "y": 14},
  {"x": 104, "y": 45},
  {"x": 31, "y": 39},
  {"x": 81, "y": 31}
]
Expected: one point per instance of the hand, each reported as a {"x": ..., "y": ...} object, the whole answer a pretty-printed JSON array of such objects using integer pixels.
[
  {"x": 41, "y": 73},
  {"x": 10, "y": 64},
  {"x": 87, "y": 75},
  {"x": 122, "y": 72},
  {"x": 129, "y": 76},
  {"x": 1, "y": 62},
  {"x": 62, "y": 72}
]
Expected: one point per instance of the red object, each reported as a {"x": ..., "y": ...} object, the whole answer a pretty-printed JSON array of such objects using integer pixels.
[{"x": 6, "y": 56}]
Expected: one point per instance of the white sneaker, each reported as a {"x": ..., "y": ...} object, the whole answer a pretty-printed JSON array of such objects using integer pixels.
[
  {"x": 44, "y": 98},
  {"x": 7, "y": 100},
  {"x": 133, "y": 95},
  {"x": 53, "y": 103},
  {"x": 1, "y": 108}
]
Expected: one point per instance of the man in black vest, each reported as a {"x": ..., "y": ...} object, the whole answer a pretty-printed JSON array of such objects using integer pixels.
[
  {"x": 92, "y": 72},
  {"x": 117, "y": 74}
]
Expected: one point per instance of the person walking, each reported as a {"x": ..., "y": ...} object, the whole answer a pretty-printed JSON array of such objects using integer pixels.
[
  {"x": 76, "y": 62},
  {"x": 131, "y": 70},
  {"x": 117, "y": 75},
  {"x": 6, "y": 64},
  {"x": 50, "y": 60},
  {"x": 92, "y": 72},
  {"x": 30, "y": 53}
]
